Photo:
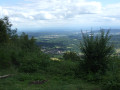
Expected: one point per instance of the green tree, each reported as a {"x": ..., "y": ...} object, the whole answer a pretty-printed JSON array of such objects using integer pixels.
[
  {"x": 27, "y": 43},
  {"x": 96, "y": 50},
  {"x": 3, "y": 32},
  {"x": 6, "y": 33},
  {"x": 12, "y": 47}
]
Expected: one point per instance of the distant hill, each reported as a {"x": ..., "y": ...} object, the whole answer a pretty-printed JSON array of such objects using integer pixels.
[{"x": 112, "y": 31}]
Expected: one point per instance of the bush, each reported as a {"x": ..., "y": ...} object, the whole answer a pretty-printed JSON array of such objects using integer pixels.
[
  {"x": 71, "y": 56},
  {"x": 8, "y": 56},
  {"x": 33, "y": 62},
  {"x": 111, "y": 84},
  {"x": 97, "y": 51},
  {"x": 111, "y": 81},
  {"x": 4, "y": 61},
  {"x": 65, "y": 68}
]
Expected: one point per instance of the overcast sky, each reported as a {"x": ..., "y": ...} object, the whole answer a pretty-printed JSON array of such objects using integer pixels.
[{"x": 78, "y": 14}]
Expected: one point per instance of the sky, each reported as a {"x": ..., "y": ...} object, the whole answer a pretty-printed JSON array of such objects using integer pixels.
[{"x": 61, "y": 14}]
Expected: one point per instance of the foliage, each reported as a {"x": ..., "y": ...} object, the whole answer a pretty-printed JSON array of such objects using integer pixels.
[
  {"x": 111, "y": 80},
  {"x": 9, "y": 56},
  {"x": 26, "y": 43},
  {"x": 6, "y": 33},
  {"x": 71, "y": 56},
  {"x": 32, "y": 62},
  {"x": 3, "y": 30},
  {"x": 13, "y": 48},
  {"x": 96, "y": 50},
  {"x": 4, "y": 59},
  {"x": 64, "y": 68},
  {"x": 111, "y": 83}
]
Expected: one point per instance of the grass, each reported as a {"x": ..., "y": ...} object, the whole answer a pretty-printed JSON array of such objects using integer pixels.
[
  {"x": 21, "y": 81},
  {"x": 60, "y": 75}
]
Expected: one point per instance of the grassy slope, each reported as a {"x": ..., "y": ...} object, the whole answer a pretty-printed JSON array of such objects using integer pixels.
[{"x": 20, "y": 81}]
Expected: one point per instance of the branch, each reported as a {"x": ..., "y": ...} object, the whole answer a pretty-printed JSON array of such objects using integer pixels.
[{"x": 5, "y": 76}]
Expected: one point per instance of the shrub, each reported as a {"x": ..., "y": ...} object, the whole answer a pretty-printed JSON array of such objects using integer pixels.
[
  {"x": 65, "y": 68},
  {"x": 71, "y": 56},
  {"x": 33, "y": 62},
  {"x": 4, "y": 61},
  {"x": 96, "y": 50},
  {"x": 8, "y": 56},
  {"x": 111, "y": 84},
  {"x": 112, "y": 78},
  {"x": 111, "y": 81}
]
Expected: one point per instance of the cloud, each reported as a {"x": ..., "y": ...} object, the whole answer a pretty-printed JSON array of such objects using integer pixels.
[
  {"x": 53, "y": 8},
  {"x": 112, "y": 11},
  {"x": 3, "y": 12},
  {"x": 33, "y": 12}
]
